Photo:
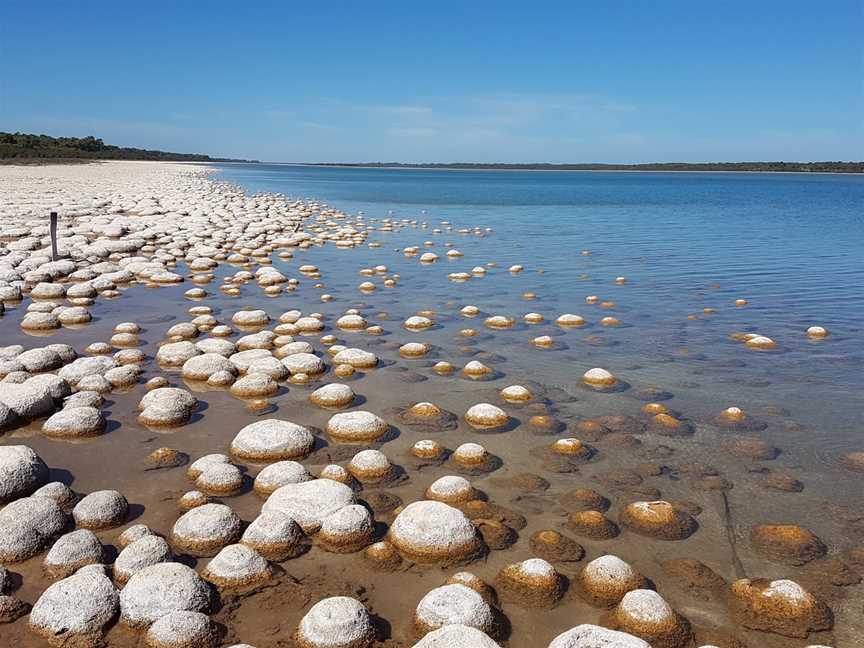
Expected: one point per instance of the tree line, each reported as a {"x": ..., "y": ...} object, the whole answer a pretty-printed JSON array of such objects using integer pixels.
[{"x": 27, "y": 146}]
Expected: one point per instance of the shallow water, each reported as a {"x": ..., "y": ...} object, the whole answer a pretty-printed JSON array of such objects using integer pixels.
[{"x": 786, "y": 243}]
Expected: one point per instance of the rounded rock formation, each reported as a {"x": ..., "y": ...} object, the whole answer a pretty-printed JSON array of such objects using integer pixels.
[
  {"x": 347, "y": 530},
  {"x": 433, "y": 532},
  {"x": 272, "y": 440},
  {"x": 71, "y": 552},
  {"x": 204, "y": 530},
  {"x": 533, "y": 583},
  {"x": 161, "y": 589},
  {"x": 309, "y": 503},
  {"x": 599, "y": 378},
  {"x": 77, "y": 608},
  {"x": 278, "y": 474},
  {"x": 645, "y": 614},
  {"x": 786, "y": 543},
  {"x": 370, "y": 467},
  {"x": 451, "y": 489},
  {"x": 779, "y": 606},
  {"x": 453, "y": 604},
  {"x": 275, "y": 536},
  {"x": 74, "y": 423},
  {"x": 144, "y": 552},
  {"x": 220, "y": 479},
  {"x": 658, "y": 519},
  {"x": 237, "y": 567},
  {"x": 101, "y": 510},
  {"x": 22, "y": 471},
  {"x": 182, "y": 629},
  {"x": 605, "y": 580},
  {"x": 336, "y": 622},
  {"x": 334, "y": 395},
  {"x": 592, "y": 636},
  {"x": 556, "y": 547},
  {"x": 485, "y": 416},
  {"x": 356, "y": 427}
]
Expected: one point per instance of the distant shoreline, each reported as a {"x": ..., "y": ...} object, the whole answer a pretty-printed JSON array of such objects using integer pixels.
[
  {"x": 844, "y": 168},
  {"x": 430, "y": 168}
]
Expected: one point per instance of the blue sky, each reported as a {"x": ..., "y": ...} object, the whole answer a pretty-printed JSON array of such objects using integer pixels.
[{"x": 627, "y": 81}]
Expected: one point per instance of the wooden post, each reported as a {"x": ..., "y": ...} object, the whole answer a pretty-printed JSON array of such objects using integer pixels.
[{"x": 53, "y": 230}]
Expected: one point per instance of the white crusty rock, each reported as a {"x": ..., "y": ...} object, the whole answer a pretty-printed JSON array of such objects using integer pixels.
[
  {"x": 237, "y": 566},
  {"x": 74, "y": 423},
  {"x": 254, "y": 385},
  {"x": 199, "y": 465},
  {"x": 459, "y": 636},
  {"x": 144, "y": 552},
  {"x": 56, "y": 386},
  {"x": 182, "y": 629},
  {"x": 272, "y": 440},
  {"x": 27, "y": 525},
  {"x": 101, "y": 510},
  {"x": 592, "y": 636},
  {"x": 27, "y": 400},
  {"x": 250, "y": 318},
  {"x": 274, "y": 535},
  {"x": 347, "y": 530},
  {"x": 244, "y": 359},
  {"x": 124, "y": 376},
  {"x": 220, "y": 479},
  {"x": 71, "y": 552},
  {"x": 161, "y": 589},
  {"x": 356, "y": 427},
  {"x": 453, "y": 605},
  {"x": 278, "y": 474},
  {"x": 336, "y": 622},
  {"x": 201, "y": 367},
  {"x": 432, "y": 532},
  {"x": 176, "y": 354},
  {"x": 166, "y": 406},
  {"x": 357, "y": 358},
  {"x": 217, "y": 346},
  {"x": 133, "y": 533},
  {"x": 204, "y": 530},
  {"x": 333, "y": 395},
  {"x": 40, "y": 359},
  {"x": 269, "y": 366},
  {"x": 83, "y": 399},
  {"x": 76, "y": 608},
  {"x": 306, "y": 363},
  {"x": 89, "y": 366},
  {"x": 22, "y": 471},
  {"x": 60, "y": 493},
  {"x": 308, "y": 503}
]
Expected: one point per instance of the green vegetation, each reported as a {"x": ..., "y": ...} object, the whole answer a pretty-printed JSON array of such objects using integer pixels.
[
  {"x": 789, "y": 167},
  {"x": 24, "y": 146}
]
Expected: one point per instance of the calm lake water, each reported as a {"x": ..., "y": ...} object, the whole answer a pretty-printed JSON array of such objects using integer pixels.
[{"x": 788, "y": 243}]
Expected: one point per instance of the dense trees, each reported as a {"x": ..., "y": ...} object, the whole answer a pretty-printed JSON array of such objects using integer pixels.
[{"x": 27, "y": 146}]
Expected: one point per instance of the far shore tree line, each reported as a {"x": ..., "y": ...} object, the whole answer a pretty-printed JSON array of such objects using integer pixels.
[{"x": 27, "y": 147}]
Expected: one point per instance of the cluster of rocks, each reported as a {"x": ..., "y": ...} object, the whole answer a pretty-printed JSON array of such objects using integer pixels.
[{"x": 124, "y": 232}]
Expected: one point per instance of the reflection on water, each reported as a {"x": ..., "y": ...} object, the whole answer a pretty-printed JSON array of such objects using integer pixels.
[{"x": 685, "y": 243}]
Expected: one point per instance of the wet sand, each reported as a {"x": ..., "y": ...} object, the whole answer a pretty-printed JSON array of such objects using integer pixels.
[{"x": 645, "y": 465}]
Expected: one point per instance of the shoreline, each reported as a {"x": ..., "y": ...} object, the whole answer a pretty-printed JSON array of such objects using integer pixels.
[{"x": 422, "y": 168}]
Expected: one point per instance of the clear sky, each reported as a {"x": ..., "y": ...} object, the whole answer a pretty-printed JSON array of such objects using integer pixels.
[{"x": 575, "y": 81}]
